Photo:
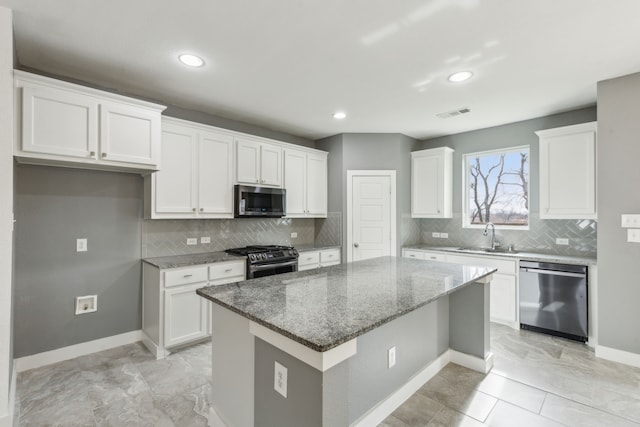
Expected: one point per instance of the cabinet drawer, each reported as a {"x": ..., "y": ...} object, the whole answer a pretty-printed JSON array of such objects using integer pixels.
[
  {"x": 307, "y": 258},
  {"x": 330, "y": 257},
  {"x": 503, "y": 266},
  {"x": 184, "y": 276},
  {"x": 434, "y": 256},
  {"x": 225, "y": 270},
  {"x": 413, "y": 254}
]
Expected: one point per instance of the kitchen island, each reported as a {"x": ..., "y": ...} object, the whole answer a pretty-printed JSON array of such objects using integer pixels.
[{"x": 342, "y": 345}]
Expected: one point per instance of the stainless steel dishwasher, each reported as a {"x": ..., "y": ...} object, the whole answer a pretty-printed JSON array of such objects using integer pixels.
[{"x": 553, "y": 299}]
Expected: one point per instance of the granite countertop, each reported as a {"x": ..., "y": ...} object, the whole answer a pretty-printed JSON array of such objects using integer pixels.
[
  {"x": 322, "y": 309},
  {"x": 532, "y": 256},
  {"x": 192, "y": 259},
  {"x": 307, "y": 248}
]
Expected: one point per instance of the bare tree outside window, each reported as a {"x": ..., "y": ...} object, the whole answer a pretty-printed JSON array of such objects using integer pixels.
[{"x": 497, "y": 187}]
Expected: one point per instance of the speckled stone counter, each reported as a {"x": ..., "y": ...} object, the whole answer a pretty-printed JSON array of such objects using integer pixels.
[
  {"x": 308, "y": 248},
  {"x": 532, "y": 256},
  {"x": 193, "y": 259},
  {"x": 322, "y": 310}
]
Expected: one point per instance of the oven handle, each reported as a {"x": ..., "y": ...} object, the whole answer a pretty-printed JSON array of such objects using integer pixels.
[
  {"x": 275, "y": 264},
  {"x": 552, "y": 273}
]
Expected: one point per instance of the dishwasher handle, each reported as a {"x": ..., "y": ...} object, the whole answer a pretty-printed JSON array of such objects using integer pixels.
[{"x": 552, "y": 272}]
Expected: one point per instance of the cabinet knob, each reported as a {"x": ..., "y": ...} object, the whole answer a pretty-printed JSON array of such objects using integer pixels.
[
  {"x": 201, "y": 209},
  {"x": 356, "y": 245},
  {"x": 193, "y": 209},
  {"x": 104, "y": 154},
  {"x": 257, "y": 181},
  {"x": 92, "y": 153}
]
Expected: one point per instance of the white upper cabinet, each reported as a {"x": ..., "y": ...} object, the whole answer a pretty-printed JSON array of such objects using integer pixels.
[
  {"x": 568, "y": 172},
  {"x": 305, "y": 179},
  {"x": 196, "y": 179},
  {"x": 64, "y": 124},
  {"x": 431, "y": 183},
  {"x": 258, "y": 163}
]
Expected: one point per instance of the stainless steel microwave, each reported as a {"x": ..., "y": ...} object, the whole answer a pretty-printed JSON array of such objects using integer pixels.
[{"x": 263, "y": 202}]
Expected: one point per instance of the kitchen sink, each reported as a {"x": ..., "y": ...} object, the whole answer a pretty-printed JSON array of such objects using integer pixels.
[{"x": 489, "y": 250}]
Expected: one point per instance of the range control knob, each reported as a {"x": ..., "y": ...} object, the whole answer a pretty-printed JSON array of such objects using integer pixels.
[{"x": 252, "y": 257}]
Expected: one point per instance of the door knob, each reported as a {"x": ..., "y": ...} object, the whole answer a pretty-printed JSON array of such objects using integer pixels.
[{"x": 356, "y": 245}]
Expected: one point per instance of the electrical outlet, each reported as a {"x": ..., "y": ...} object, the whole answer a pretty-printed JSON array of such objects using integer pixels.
[
  {"x": 81, "y": 245},
  {"x": 435, "y": 234},
  {"x": 633, "y": 235},
  {"x": 193, "y": 241},
  {"x": 444, "y": 235},
  {"x": 86, "y": 304},
  {"x": 204, "y": 240},
  {"x": 294, "y": 235},
  {"x": 630, "y": 221},
  {"x": 561, "y": 241},
  {"x": 280, "y": 379},
  {"x": 392, "y": 357}
]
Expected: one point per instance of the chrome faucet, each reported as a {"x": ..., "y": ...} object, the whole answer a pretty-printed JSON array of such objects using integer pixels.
[{"x": 494, "y": 244}]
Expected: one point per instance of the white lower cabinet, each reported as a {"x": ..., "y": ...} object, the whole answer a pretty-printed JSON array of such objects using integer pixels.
[
  {"x": 172, "y": 313},
  {"x": 316, "y": 259},
  {"x": 504, "y": 284}
]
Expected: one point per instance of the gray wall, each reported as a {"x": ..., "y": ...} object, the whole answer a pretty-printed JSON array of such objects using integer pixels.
[
  {"x": 542, "y": 232},
  {"x": 354, "y": 151},
  {"x": 618, "y": 178},
  {"x": 54, "y": 206}
]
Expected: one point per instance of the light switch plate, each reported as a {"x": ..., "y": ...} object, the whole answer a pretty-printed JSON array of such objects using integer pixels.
[
  {"x": 204, "y": 240},
  {"x": 192, "y": 241},
  {"x": 435, "y": 234},
  {"x": 561, "y": 241},
  {"x": 294, "y": 235},
  {"x": 280, "y": 379},
  {"x": 633, "y": 235},
  {"x": 444, "y": 235}
]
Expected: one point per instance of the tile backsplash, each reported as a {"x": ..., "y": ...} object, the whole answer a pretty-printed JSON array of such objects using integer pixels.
[
  {"x": 163, "y": 237},
  {"x": 329, "y": 230},
  {"x": 541, "y": 236}
]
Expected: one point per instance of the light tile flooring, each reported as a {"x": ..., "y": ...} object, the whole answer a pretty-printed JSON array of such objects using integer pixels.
[{"x": 537, "y": 380}]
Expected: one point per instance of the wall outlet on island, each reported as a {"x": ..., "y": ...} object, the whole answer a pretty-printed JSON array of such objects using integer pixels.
[
  {"x": 280, "y": 379},
  {"x": 562, "y": 241},
  {"x": 192, "y": 241}
]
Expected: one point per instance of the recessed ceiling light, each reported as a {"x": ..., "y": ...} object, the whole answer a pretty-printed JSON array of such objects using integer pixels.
[
  {"x": 191, "y": 60},
  {"x": 339, "y": 115},
  {"x": 460, "y": 76}
]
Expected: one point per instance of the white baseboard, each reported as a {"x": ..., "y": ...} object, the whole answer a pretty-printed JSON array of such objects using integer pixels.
[
  {"x": 72, "y": 351},
  {"x": 8, "y": 420},
  {"x": 377, "y": 414},
  {"x": 620, "y": 356},
  {"x": 152, "y": 347},
  {"x": 472, "y": 362}
]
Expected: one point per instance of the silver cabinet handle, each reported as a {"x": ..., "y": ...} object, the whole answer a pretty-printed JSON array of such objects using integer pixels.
[
  {"x": 355, "y": 245},
  {"x": 228, "y": 270},
  {"x": 257, "y": 181},
  {"x": 187, "y": 275}
]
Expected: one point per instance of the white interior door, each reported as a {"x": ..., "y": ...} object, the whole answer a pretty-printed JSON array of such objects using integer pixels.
[{"x": 371, "y": 217}]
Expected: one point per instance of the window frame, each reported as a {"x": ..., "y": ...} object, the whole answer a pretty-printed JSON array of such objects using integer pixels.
[{"x": 465, "y": 188}]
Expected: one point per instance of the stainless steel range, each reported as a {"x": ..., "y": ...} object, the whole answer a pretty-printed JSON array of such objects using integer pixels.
[{"x": 268, "y": 260}]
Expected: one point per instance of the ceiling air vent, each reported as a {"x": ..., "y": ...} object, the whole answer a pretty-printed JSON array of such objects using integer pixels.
[{"x": 454, "y": 113}]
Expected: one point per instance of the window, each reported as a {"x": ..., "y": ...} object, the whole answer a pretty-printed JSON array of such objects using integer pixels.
[{"x": 496, "y": 188}]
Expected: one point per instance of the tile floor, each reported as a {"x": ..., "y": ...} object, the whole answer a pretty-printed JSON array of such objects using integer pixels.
[{"x": 537, "y": 380}]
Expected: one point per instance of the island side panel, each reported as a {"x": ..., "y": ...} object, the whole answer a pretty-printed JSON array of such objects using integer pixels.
[
  {"x": 303, "y": 404},
  {"x": 419, "y": 337},
  {"x": 232, "y": 395},
  {"x": 469, "y": 320}
]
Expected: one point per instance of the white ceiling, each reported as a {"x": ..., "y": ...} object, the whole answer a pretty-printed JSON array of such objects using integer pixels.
[{"x": 289, "y": 64}]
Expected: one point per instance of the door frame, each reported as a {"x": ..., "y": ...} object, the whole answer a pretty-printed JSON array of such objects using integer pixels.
[{"x": 386, "y": 173}]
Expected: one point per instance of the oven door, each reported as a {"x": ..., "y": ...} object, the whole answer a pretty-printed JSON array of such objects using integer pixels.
[{"x": 262, "y": 270}]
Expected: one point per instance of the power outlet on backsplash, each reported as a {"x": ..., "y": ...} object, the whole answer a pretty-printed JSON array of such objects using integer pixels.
[{"x": 562, "y": 241}]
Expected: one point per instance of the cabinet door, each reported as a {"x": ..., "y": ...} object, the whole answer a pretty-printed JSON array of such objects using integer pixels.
[
  {"x": 185, "y": 315},
  {"x": 129, "y": 134},
  {"x": 295, "y": 182},
  {"x": 247, "y": 161},
  {"x": 316, "y": 185},
  {"x": 271, "y": 165},
  {"x": 426, "y": 186},
  {"x": 503, "y": 299},
  {"x": 174, "y": 190},
  {"x": 215, "y": 184},
  {"x": 59, "y": 122},
  {"x": 567, "y": 174}
]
